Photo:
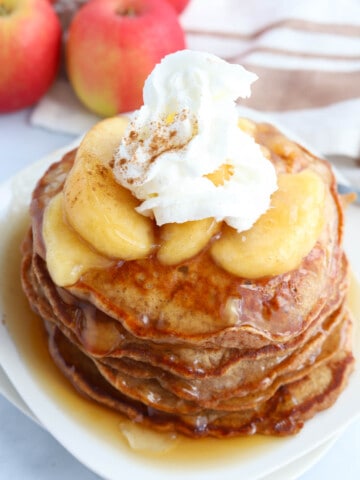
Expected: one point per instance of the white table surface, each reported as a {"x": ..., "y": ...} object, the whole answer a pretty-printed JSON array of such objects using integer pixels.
[{"x": 27, "y": 452}]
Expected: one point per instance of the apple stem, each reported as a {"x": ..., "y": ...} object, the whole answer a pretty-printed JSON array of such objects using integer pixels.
[
  {"x": 4, "y": 10},
  {"x": 128, "y": 12}
]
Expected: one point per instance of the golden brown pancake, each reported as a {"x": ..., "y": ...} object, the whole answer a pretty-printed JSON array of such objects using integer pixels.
[{"x": 152, "y": 341}]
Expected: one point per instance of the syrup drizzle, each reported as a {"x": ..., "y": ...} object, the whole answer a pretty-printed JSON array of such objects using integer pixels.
[{"x": 28, "y": 334}]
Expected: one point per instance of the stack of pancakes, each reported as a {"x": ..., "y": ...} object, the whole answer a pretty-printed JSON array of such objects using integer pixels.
[{"x": 160, "y": 343}]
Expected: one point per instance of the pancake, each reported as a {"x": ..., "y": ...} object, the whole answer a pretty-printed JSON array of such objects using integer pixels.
[
  {"x": 162, "y": 344},
  {"x": 283, "y": 414},
  {"x": 240, "y": 379}
]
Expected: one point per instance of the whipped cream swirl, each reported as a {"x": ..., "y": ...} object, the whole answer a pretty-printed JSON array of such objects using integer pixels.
[{"x": 186, "y": 130}]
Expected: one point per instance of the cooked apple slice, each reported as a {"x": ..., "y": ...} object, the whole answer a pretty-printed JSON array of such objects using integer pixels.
[
  {"x": 181, "y": 241},
  {"x": 67, "y": 255},
  {"x": 100, "y": 210},
  {"x": 281, "y": 237}
]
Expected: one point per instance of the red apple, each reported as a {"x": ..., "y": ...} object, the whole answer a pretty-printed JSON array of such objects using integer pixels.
[
  {"x": 112, "y": 47},
  {"x": 30, "y": 38},
  {"x": 179, "y": 5}
]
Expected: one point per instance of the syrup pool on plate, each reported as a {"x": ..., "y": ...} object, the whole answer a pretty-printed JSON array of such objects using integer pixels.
[{"x": 27, "y": 331}]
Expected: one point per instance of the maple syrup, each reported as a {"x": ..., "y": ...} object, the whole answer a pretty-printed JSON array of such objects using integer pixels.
[{"x": 29, "y": 336}]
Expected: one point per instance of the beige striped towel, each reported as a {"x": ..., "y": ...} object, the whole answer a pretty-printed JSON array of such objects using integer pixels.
[{"x": 306, "y": 54}]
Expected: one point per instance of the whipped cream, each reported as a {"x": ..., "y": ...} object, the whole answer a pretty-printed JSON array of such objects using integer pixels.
[{"x": 186, "y": 130}]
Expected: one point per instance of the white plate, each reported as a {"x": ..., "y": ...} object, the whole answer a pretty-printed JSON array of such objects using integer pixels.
[
  {"x": 293, "y": 470},
  {"x": 8, "y": 391},
  {"x": 289, "y": 472},
  {"x": 253, "y": 459}
]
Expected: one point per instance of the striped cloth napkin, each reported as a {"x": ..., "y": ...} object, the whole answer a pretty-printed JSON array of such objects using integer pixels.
[{"x": 306, "y": 54}]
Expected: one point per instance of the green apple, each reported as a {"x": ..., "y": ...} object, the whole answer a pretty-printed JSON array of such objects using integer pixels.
[
  {"x": 30, "y": 39},
  {"x": 112, "y": 47}
]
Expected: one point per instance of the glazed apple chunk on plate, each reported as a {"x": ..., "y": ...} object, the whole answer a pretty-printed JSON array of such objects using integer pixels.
[
  {"x": 99, "y": 209},
  {"x": 282, "y": 236}
]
